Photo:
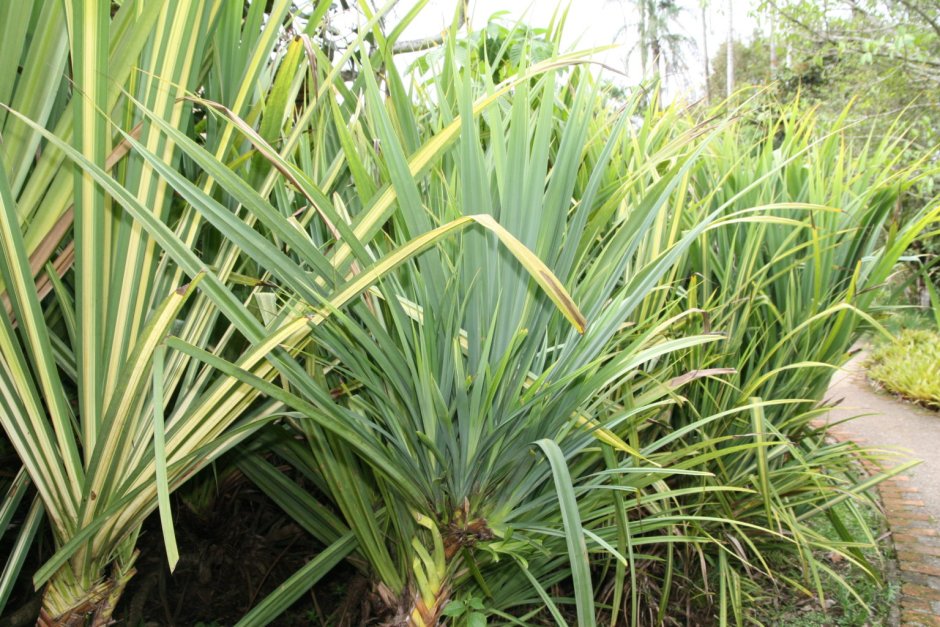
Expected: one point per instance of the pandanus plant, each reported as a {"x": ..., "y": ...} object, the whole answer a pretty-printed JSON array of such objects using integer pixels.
[
  {"x": 99, "y": 263},
  {"x": 444, "y": 414},
  {"x": 88, "y": 291}
]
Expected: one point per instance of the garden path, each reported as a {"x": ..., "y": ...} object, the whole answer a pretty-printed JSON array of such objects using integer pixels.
[
  {"x": 886, "y": 422},
  {"x": 911, "y": 501}
]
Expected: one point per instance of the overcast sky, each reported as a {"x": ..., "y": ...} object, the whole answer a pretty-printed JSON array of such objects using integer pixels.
[{"x": 593, "y": 23}]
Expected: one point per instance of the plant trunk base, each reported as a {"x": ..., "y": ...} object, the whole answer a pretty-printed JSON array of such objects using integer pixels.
[{"x": 62, "y": 607}]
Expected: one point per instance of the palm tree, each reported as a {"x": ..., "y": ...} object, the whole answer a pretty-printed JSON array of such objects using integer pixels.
[{"x": 660, "y": 42}]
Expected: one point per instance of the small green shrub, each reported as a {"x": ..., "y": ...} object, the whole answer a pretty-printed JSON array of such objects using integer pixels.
[{"x": 910, "y": 366}]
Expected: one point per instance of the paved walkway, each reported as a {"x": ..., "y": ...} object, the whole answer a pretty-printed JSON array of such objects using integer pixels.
[{"x": 911, "y": 501}]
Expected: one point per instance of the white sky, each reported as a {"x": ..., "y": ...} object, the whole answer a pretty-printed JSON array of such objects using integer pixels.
[{"x": 593, "y": 23}]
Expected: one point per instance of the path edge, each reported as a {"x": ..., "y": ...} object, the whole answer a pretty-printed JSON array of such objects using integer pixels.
[{"x": 915, "y": 539}]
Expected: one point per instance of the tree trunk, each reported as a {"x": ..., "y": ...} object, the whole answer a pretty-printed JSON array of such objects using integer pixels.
[
  {"x": 657, "y": 53},
  {"x": 644, "y": 40},
  {"x": 773, "y": 44},
  {"x": 729, "y": 76},
  {"x": 708, "y": 72}
]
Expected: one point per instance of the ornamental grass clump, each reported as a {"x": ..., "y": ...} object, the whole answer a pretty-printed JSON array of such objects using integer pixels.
[
  {"x": 909, "y": 366},
  {"x": 790, "y": 288}
]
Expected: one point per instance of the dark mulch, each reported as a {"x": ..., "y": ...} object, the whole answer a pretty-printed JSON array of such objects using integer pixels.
[
  {"x": 231, "y": 557},
  {"x": 235, "y": 547}
]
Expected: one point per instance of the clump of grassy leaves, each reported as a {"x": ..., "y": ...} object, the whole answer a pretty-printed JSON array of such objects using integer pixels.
[
  {"x": 856, "y": 600},
  {"x": 910, "y": 366}
]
